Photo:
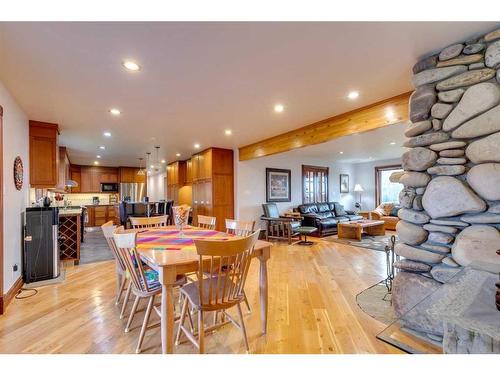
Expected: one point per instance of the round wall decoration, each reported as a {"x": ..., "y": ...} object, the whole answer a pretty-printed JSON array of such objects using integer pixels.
[{"x": 18, "y": 173}]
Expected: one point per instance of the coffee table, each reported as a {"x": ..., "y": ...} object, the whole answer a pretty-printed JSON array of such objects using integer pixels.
[{"x": 354, "y": 229}]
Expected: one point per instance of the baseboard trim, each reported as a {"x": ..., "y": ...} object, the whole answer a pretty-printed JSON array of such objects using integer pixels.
[{"x": 9, "y": 296}]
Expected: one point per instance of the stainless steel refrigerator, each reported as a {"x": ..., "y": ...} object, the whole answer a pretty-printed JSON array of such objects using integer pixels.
[{"x": 132, "y": 192}]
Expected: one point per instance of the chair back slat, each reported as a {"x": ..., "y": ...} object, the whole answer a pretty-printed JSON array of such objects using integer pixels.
[
  {"x": 148, "y": 222},
  {"x": 125, "y": 241},
  {"x": 206, "y": 222},
  {"x": 108, "y": 229},
  {"x": 240, "y": 228},
  {"x": 227, "y": 263}
]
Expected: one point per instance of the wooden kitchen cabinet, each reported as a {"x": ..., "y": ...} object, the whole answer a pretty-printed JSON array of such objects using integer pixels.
[
  {"x": 44, "y": 154},
  {"x": 76, "y": 175},
  {"x": 98, "y": 215},
  {"x": 63, "y": 168},
  {"x": 129, "y": 175},
  {"x": 92, "y": 177}
]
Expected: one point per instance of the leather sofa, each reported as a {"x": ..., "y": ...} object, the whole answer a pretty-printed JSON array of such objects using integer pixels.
[{"x": 325, "y": 216}]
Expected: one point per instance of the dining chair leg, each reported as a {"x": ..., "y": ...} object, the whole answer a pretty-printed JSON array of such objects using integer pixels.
[
  {"x": 145, "y": 324},
  {"x": 201, "y": 332},
  {"x": 243, "y": 329},
  {"x": 121, "y": 286},
  {"x": 181, "y": 321},
  {"x": 125, "y": 301},
  {"x": 132, "y": 313},
  {"x": 246, "y": 302}
]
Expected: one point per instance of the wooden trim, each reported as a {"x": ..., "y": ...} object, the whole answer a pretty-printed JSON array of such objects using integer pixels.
[
  {"x": 9, "y": 296},
  {"x": 357, "y": 121},
  {"x": 377, "y": 179},
  {"x": 1, "y": 211},
  {"x": 314, "y": 168}
]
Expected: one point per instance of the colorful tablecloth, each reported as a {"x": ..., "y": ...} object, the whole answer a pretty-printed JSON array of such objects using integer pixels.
[{"x": 172, "y": 239}]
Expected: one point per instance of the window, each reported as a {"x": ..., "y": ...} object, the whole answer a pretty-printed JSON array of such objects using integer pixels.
[
  {"x": 314, "y": 184},
  {"x": 387, "y": 191}
]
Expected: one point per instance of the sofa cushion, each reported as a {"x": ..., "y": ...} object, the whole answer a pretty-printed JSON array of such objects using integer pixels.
[
  {"x": 342, "y": 219},
  {"x": 384, "y": 209},
  {"x": 323, "y": 207},
  {"x": 354, "y": 217},
  {"x": 328, "y": 223},
  {"x": 339, "y": 209},
  {"x": 308, "y": 208},
  {"x": 324, "y": 215}
]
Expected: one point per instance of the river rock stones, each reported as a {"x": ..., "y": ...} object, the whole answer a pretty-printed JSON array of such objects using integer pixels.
[
  {"x": 477, "y": 243},
  {"x": 416, "y": 254},
  {"x": 485, "y": 180},
  {"x": 476, "y": 99},
  {"x": 443, "y": 273},
  {"x": 485, "y": 149},
  {"x": 424, "y": 64},
  {"x": 417, "y": 203},
  {"x": 452, "y": 222},
  {"x": 440, "y": 228},
  {"x": 484, "y": 124},
  {"x": 451, "y": 161},
  {"x": 461, "y": 60},
  {"x": 482, "y": 218},
  {"x": 450, "y": 262},
  {"x": 448, "y": 196},
  {"x": 451, "y": 52},
  {"x": 395, "y": 176},
  {"x": 406, "y": 197},
  {"x": 451, "y": 153},
  {"x": 451, "y": 96},
  {"x": 412, "y": 266},
  {"x": 414, "y": 179},
  {"x": 492, "y": 36},
  {"x": 494, "y": 208},
  {"x": 479, "y": 65},
  {"x": 442, "y": 249},
  {"x": 436, "y": 124},
  {"x": 418, "y": 128},
  {"x": 468, "y": 78},
  {"x": 421, "y": 102},
  {"x": 492, "y": 55},
  {"x": 446, "y": 170},
  {"x": 418, "y": 159},
  {"x": 441, "y": 110},
  {"x": 414, "y": 217},
  {"x": 447, "y": 145},
  {"x": 427, "y": 139},
  {"x": 440, "y": 238},
  {"x": 410, "y": 234},
  {"x": 473, "y": 48},
  {"x": 436, "y": 74}
]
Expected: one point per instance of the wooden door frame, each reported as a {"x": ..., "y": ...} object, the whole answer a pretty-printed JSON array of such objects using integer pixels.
[
  {"x": 317, "y": 169},
  {"x": 377, "y": 180},
  {"x": 1, "y": 212}
]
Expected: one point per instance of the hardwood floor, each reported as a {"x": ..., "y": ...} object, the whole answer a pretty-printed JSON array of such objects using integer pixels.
[{"x": 312, "y": 309}]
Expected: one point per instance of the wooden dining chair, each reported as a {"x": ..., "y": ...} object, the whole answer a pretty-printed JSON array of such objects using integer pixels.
[
  {"x": 121, "y": 271},
  {"x": 239, "y": 227},
  {"x": 206, "y": 222},
  {"x": 145, "y": 284},
  {"x": 222, "y": 272},
  {"x": 148, "y": 222}
]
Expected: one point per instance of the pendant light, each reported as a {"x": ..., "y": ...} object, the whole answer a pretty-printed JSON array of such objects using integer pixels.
[
  {"x": 147, "y": 160},
  {"x": 141, "y": 171}
]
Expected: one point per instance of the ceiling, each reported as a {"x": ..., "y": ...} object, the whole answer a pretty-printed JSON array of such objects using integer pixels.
[
  {"x": 379, "y": 144},
  {"x": 198, "y": 79}
]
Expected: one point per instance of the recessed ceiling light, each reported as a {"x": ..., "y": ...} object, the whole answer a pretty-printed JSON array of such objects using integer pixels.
[
  {"x": 131, "y": 65},
  {"x": 163, "y": 161},
  {"x": 228, "y": 132},
  {"x": 102, "y": 147},
  {"x": 96, "y": 162},
  {"x": 389, "y": 113},
  {"x": 107, "y": 134},
  {"x": 196, "y": 145},
  {"x": 392, "y": 143},
  {"x": 341, "y": 152},
  {"x": 279, "y": 108},
  {"x": 353, "y": 95},
  {"x": 115, "y": 111},
  {"x": 151, "y": 166},
  {"x": 177, "y": 154},
  {"x": 98, "y": 156}
]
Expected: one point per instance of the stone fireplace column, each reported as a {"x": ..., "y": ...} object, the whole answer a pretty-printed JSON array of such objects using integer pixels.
[{"x": 450, "y": 212}]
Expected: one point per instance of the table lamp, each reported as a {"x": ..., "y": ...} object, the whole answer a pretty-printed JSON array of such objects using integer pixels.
[{"x": 358, "y": 189}]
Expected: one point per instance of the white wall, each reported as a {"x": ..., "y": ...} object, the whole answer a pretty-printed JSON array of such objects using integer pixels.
[
  {"x": 250, "y": 183},
  {"x": 15, "y": 143},
  {"x": 365, "y": 176},
  {"x": 156, "y": 185}
]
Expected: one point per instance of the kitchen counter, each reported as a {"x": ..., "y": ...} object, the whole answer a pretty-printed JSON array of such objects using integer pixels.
[
  {"x": 70, "y": 211},
  {"x": 101, "y": 204}
]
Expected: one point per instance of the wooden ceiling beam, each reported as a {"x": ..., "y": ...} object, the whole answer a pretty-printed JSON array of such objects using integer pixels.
[{"x": 363, "y": 119}]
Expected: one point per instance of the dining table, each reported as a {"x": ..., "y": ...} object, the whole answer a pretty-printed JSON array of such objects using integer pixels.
[{"x": 171, "y": 252}]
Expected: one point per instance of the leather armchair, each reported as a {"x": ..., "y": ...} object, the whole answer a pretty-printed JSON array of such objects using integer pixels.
[{"x": 277, "y": 226}]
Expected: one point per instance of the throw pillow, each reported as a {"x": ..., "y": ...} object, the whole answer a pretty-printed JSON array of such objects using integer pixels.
[
  {"x": 394, "y": 211},
  {"x": 385, "y": 209},
  {"x": 339, "y": 210}
]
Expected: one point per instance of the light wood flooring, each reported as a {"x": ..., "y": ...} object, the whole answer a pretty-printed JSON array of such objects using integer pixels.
[{"x": 312, "y": 309}]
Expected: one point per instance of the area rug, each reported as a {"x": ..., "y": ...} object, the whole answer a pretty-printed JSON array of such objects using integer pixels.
[
  {"x": 376, "y": 302},
  {"x": 377, "y": 243},
  {"x": 95, "y": 248}
]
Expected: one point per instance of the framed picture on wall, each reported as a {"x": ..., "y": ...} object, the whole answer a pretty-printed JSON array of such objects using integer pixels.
[
  {"x": 278, "y": 182},
  {"x": 344, "y": 183}
]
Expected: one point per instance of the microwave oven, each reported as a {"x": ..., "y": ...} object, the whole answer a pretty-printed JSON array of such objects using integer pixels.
[{"x": 109, "y": 187}]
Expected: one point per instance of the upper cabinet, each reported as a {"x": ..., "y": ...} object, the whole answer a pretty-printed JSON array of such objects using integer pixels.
[
  {"x": 176, "y": 173},
  {"x": 44, "y": 154},
  {"x": 63, "y": 169},
  {"x": 129, "y": 175},
  {"x": 75, "y": 175},
  {"x": 93, "y": 177}
]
